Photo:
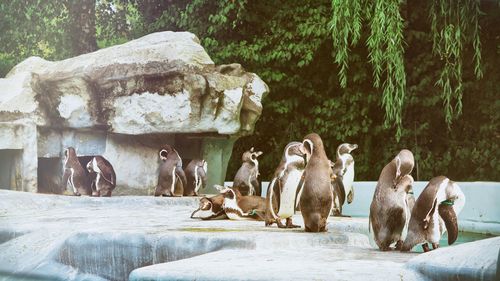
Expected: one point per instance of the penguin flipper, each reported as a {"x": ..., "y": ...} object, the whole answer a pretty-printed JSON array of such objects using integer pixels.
[
  {"x": 256, "y": 186},
  {"x": 271, "y": 195},
  {"x": 107, "y": 172},
  {"x": 299, "y": 190},
  {"x": 429, "y": 214},
  {"x": 179, "y": 172}
]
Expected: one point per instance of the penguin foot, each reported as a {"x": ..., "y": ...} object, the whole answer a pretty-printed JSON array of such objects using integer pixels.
[
  {"x": 425, "y": 247},
  {"x": 435, "y": 246},
  {"x": 289, "y": 224},
  {"x": 280, "y": 224},
  {"x": 399, "y": 245},
  {"x": 78, "y": 194}
]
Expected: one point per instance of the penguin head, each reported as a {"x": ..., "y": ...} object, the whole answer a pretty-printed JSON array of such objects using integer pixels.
[
  {"x": 69, "y": 152},
  {"x": 90, "y": 165},
  {"x": 311, "y": 144},
  {"x": 251, "y": 156},
  {"x": 294, "y": 153},
  {"x": 165, "y": 151},
  {"x": 405, "y": 184},
  {"x": 204, "y": 210},
  {"x": 346, "y": 148}
]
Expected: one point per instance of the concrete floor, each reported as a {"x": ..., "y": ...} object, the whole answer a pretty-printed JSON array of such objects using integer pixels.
[{"x": 146, "y": 238}]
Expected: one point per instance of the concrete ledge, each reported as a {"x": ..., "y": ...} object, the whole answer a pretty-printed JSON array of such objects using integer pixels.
[{"x": 469, "y": 261}]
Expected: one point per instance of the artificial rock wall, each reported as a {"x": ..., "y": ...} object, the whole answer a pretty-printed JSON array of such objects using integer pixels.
[{"x": 124, "y": 102}]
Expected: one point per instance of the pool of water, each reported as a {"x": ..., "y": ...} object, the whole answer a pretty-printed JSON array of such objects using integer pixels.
[{"x": 463, "y": 237}]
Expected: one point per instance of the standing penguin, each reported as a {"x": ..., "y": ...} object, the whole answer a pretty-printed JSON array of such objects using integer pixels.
[
  {"x": 344, "y": 169},
  {"x": 435, "y": 212},
  {"x": 196, "y": 176},
  {"x": 389, "y": 210},
  {"x": 282, "y": 191},
  {"x": 239, "y": 207},
  {"x": 246, "y": 177},
  {"x": 171, "y": 180},
  {"x": 74, "y": 174},
  {"x": 104, "y": 180},
  {"x": 316, "y": 194}
]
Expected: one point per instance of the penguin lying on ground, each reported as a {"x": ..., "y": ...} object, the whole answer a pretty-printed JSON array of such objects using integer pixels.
[
  {"x": 435, "y": 212},
  {"x": 282, "y": 191},
  {"x": 239, "y": 207},
  {"x": 389, "y": 209},
  {"x": 210, "y": 208},
  {"x": 245, "y": 179},
  {"x": 316, "y": 193},
  {"x": 196, "y": 176},
  {"x": 343, "y": 169},
  {"x": 103, "y": 175},
  {"x": 171, "y": 180},
  {"x": 74, "y": 174}
]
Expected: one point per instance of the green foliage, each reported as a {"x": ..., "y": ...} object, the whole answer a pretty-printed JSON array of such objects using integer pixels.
[
  {"x": 454, "y": 24},
  {"x": 34, "y": 28},
  {"x": 321, "y": 78}
]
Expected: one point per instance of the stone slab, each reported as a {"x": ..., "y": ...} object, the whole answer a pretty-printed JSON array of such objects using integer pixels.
[{"x": 85, "y": 238}]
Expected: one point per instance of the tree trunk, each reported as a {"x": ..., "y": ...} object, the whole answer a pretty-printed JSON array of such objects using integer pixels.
[{"x": 82, "y": 26}]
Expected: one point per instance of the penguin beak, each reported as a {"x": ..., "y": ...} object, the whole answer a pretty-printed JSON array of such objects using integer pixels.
[
  {"x": 353, "y": 147},
  {"x": 192, "y": 215},
  {"x": 303, "y": 152}
]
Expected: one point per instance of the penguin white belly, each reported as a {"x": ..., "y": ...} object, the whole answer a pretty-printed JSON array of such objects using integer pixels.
[
  {"x": 197, "y": 181},
  {"x": 71, "y": 181},
  {"x": 436, "y": 229},
  {"x": 236, "y": 217},
  {"x": 287, "y": 199},
  {"x": 348, "y": 178},
  {"x": 233, "y": 211}
]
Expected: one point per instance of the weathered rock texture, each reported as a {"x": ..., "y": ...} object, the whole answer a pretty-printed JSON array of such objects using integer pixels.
[{"x": 162, "y": 88}]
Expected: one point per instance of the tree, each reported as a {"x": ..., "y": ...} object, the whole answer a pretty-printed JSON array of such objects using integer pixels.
[
  {"x": 320, "y": 80},
  {"x": 82, "y": 30}
]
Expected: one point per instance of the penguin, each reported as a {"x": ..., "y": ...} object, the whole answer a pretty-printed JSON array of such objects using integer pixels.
[
  {"x": 239, "y": 207},
  {"x": 245, "y": 179},
  {"x": 434, "y": 213},
  {"x": 338, "y": 191},
  {"x": 316, "y": 193},
  {"x": 103, "y": 176},
  {"x": 282, "y": 191},
  {"x": 210, "y": 208},
  {"x": 389, "y": 210},
  {"x": 74, "y": 174},
  {"x": 196, "y": 176},
  {"x": 343, "y": 168},
  {"x": 171, "y": 180}
]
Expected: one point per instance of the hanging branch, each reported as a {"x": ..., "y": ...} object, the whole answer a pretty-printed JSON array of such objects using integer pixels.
[
  {"x": 385, "y": 45},
  {"x": 451, "y": 31},
  {"x": 454, "y": 23}
]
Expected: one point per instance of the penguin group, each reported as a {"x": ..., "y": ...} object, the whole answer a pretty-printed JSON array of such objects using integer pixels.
[
  {"x": 98, "y": 178},
  {"x": 306, "y": 180}
]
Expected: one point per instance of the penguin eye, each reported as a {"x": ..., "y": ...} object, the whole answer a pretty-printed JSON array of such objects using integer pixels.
[{"x": 163, "y": 153}]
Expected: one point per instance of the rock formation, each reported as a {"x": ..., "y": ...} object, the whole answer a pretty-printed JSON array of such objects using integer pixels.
[{"x": 124, "y": 102}]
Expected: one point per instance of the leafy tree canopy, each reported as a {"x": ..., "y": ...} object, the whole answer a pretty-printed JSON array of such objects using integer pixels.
[{"x": 386, "y": 75}]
